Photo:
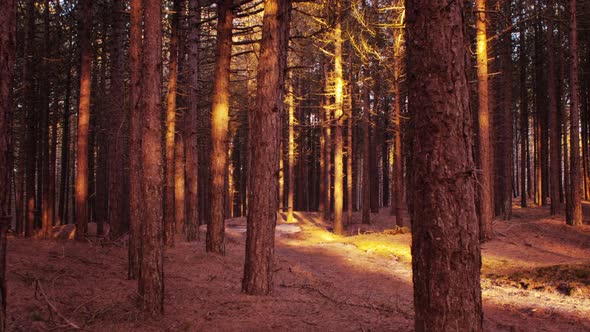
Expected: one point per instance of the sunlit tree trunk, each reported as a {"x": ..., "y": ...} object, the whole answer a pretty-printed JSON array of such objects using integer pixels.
[
  {"x": 151, "y": 278},
  {"x": 264, "y": 131},
  {"x": 7, "y": 60},
  {"x": 169, "y": 217},
  {"x": 135, "y": 123},
  {"x": 349, "y": 154},
  {"x": 446, "y": 259},
  {"x": 219, "y": 128},
  {"x": 339, "y": 118},
  {"x": 366, "y": 152},
  {"x": 82, "y": 170},
  {"x": 574, "y": 217},
  {"x": 290, "y": 101},
  {"x": 484, "y": 123},
  {"x": 191, "y": 124}
]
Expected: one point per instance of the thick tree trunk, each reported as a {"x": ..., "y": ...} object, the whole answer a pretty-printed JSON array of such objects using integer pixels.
[
  {"x": 264, "y": 137},
  {"x": 219, "y": 128},
  {"x": 7, "y": 59},
  {"x": 118, "y": 206},
  {"x": 574, "y": 217},
  {"x": 191, "y": 124},
  {"x": 151, "y": 278},
  {"x": 445, "y": 232},
  {"x": 82, "y": 170}
]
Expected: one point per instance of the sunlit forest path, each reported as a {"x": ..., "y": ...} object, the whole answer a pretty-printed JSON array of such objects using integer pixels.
[{"x": 535, "y": 277}]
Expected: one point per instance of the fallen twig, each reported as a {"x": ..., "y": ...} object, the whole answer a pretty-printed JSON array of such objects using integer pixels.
[{"x": 39, "y": 288}]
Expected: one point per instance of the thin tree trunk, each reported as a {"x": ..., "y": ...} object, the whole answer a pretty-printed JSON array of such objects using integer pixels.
[
  {"x": 339, "y": 118},
  {"x": 191, "y": 124},
  {"x": 445, "y": 248},
  {"x": 396, "y": 180},
  {"x": 366, "y": 152},
  {"x": 7, "y": 61},
  {"x": 82, "y": 170},
  {"x": 169, "y": 210},
  {"x": 219, "y": 128},
  {"x": 574, "y": 218},
  {"x": 554, "y": 120},
  {"x": 484, "y": 122},
  {"x": 31, "y": 136},
  {"x": 290, "y": 101},
  {"x": 118, "y": 206}
]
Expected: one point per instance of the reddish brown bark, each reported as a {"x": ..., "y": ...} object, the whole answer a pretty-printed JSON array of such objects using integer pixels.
[
  {"x": 339, "y": 125},
  {"x": 574, "y": 217},
  {"x": 82, "y": 170},
  {"x": 151, "y": 278},
  {"x": 118, "y": 206},
  {"x": 7, "y": 59},
  {"x": 446, "y": 257},
  {"x": 219, "y": 128},
  {"x": 366, "y": 153},
  {"x": 264, "y": 137},
  {"x": 191, "y": 124},
  {"x": 134, "y": 116},
  {"x": 524, "y": 120},
  {"x": 554, "y": 120}
]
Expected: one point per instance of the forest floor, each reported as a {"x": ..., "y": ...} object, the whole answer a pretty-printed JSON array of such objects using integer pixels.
[{"x": 535, "y": 277}]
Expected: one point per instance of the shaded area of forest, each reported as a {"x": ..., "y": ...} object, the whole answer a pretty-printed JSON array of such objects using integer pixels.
[{"x": 323, "y": 281}]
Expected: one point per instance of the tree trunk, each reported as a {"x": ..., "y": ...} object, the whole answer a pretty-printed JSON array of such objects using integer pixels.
[
  {"x": 31, "y": 136},
  {"x": 191, "y": 124},
  {"x": 118, "y": 206},
  {"x": 265, "y": 128},
  {"x": 484, "y": 122},
  {"x": 366, "y": 152},
  {"x": 169, "y": 210},
  {"x": 575, "y": 213},
  {"x": 219, "y": 128},
  {"x": 554, "y": 120},
  {"x": 445, "y": 248},
  {"x": 524, "y": 119},
  {"x": 339, "y": 118},
  {"x": 396, "y": 181},
  {"x": 290, "y": 101},
  {"x": 135, "y": 124},
  {"x": 7, "y": 61},
  {"x": 82, "y": 171},
  {"x": 151, "y": 279},
  {"x": 506, "y": 119}
]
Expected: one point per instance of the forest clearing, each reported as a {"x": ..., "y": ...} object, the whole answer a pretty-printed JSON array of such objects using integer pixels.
[{"x": 323, "y": 282}]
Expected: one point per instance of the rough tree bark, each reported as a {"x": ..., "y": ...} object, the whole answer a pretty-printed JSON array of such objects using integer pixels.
[
  {"x": 135, "y": 123},
  {"x": 264, "y": 137},
  {"x": 118, "y": 207},
  {"x": 290, "y": 101},
  {"x": 169, "y": 210},
  {"x": 339, "y": 118},
  {"x": 82, "y": 170},
  {"x": 574, "y": 217},
  {"x": 396, "y": 181},
  {"x": 7, "y": 59},
  {"x": 151, "y": 278},
  {"x": 484, "y": 125},
  {"x": 554, "y": 120},
  {"x": 445, "y": 232},
  {"x": 524, "y": 120},
  {"x": 219, "y": 128},
  {"x": 191, "y": 124}
]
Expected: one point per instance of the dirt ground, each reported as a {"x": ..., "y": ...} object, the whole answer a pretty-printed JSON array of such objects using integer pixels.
[{"x": 536, "y": 277}]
